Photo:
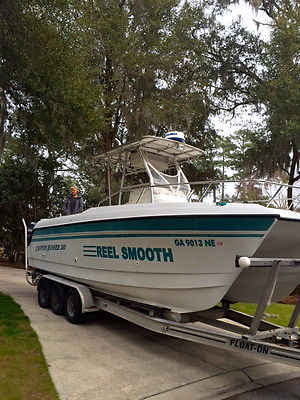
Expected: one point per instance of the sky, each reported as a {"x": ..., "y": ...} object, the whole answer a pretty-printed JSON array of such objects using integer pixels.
[{"x": 249, "y": 16}]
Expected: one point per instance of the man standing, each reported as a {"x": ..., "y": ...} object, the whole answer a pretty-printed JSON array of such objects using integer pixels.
[{"x": 73, "y": 203}]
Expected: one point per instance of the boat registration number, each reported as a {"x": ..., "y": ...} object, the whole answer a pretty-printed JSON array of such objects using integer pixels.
[
  {"x": 248, "y": 346},
  {"x": 197, "y": 242}
]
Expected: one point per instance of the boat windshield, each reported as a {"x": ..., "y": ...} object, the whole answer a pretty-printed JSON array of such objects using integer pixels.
[{"x": 165, "y": 184}]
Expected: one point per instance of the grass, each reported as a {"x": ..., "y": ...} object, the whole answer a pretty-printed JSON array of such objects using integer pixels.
[
  {"x": 277, "y": 313},
  {"x": 24, "y": 373}
]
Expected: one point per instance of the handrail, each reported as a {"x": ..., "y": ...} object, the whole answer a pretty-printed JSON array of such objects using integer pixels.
[
  {"x": 27, "y": 273},
  {"x": 214, "y": 182},
  {"x": 217, "y": 183}
]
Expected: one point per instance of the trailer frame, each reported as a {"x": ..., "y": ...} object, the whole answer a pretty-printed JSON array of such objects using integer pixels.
[{"x": 219, "y": 326}]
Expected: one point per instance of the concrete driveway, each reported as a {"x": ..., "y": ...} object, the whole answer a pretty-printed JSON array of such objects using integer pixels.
[{"x": 110, "y": 358}]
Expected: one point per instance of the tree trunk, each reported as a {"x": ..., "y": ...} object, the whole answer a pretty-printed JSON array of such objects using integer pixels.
[
  {"x": 108, "y": 132},
  {"x": 3, "y": 117},
  {"x": 292, "y": 177}
]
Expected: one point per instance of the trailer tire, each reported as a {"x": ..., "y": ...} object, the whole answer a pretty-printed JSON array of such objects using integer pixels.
[
  {"x": 44, "y": 293},
  {"x": 73, "y": 307},
  {"x": 57, "y": 300}
]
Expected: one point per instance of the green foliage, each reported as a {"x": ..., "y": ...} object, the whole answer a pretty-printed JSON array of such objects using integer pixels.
[
  {"x": 281, "y": 90},
  {"x": 236, "y": 154},
  {"x": 19, "y": 193},
  {"x": 266, "y": 75},
  {"x": 46, "y": 93},
  {"x": 29, "y": 190},
  {"x": 149, "y": 60}
]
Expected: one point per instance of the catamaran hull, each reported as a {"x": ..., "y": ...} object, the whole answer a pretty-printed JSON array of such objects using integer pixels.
[
  {"x": 282, "y": 241},
  {"x": 184, "y": 263}
]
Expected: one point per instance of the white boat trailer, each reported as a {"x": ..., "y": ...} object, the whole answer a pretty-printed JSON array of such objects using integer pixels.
[{"x": 219, "y": 326}]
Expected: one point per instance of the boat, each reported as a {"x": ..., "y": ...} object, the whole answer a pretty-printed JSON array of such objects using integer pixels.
[{"x": 158, "y": 246}]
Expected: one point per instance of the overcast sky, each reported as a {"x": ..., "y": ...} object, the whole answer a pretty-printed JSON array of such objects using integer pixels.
[{"x": 249, "y": 16}]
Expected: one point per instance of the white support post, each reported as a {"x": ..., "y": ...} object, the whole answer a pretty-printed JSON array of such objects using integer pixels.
[
  {"x": 149, "y": 174},
  {"x": 124, "y": 166},
  {"x": 295, "y": 315},
  {"x": 267, "y": 295},
  {"x": 109, "y": 183}
]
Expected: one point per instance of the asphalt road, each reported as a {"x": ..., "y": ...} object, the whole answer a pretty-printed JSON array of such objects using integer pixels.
[{"x": 109, "y": 358}]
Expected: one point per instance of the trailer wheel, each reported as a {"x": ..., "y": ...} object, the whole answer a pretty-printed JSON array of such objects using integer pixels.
[
  {"x": 73, "y": 307},
  {"x": 58, "y": 299},
  {"x": 44, "y": 293}
]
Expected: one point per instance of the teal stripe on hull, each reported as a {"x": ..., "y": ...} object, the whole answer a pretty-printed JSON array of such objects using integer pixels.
[
  {"x": 188, "y": 223},
  {"x": 142, "y": 235}
]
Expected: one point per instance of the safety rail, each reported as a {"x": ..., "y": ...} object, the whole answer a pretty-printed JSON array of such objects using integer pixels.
[
  {"x": 268, "y": 193},
  {"x": 28, "y": 274}
]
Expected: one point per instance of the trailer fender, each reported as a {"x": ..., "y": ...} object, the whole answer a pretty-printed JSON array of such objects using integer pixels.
[{"x": 84, "y": 292}]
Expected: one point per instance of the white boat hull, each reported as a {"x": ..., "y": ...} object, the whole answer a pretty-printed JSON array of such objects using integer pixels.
[{"x": 183, "y": 263}]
